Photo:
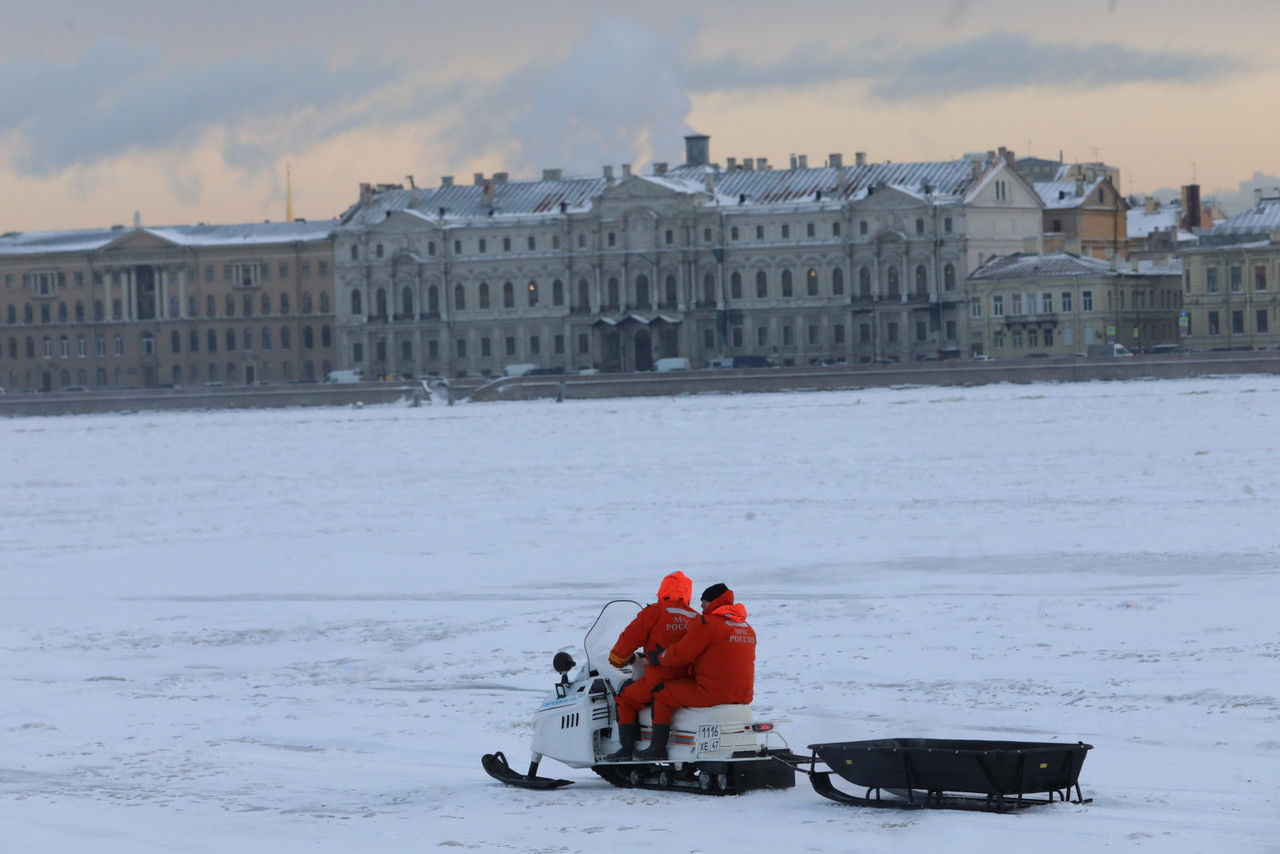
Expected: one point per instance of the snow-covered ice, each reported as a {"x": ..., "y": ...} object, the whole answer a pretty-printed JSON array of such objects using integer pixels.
[{"x": 299, "y": 630}]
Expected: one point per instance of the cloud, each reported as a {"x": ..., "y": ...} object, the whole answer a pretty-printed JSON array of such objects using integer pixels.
[
  {"x": 116, "y": 99},
  {"x": 991, "y": 62}
]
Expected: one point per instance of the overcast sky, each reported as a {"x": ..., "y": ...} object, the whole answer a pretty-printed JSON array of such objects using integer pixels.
[{"x": 187, "y": 111}]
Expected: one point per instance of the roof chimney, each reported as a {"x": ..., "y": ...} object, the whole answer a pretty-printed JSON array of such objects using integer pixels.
[
  {"x": 551, "y": 174},
  {"x": 762, "y": 163},
  {"x": 859, "y": 158},
  {"x": 802, "y": 160},
  {"x": 487, "y": 193},
  {"x": 659, "y": 168},
  {"x": 1149, "y": 204},
  {"x": 842, "y": 179},
  {"x": 731, "y": 163},
  {"x": 793, "y": 161},
  {"x": 835, "y": 161},
  {"x": 608, "y": 174},
  {"x": 478, "y": 180},
  {"x": 446, "y": 181},
  {"x": 697, "y": 149},
  {"x": 1079, "y": 186},
  {"x": 1257, "y": 195},
  {"x": 366, "y": 193},
  {"x": 626, "y": 171},
  {"x": 748, "y": 163}
]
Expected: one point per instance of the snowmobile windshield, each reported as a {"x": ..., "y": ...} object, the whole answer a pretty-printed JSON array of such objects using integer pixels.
[{"x": 614, "y": 617}]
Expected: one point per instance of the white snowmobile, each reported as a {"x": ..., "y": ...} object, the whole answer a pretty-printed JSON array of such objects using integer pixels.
[{"x": 720, "y": 750}]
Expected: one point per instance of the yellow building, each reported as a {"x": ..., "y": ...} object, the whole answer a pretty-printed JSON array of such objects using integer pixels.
[
  {"x": 1061, "y": 304},
  {"x": 1231, "y": 282},
  {"x": 149, "y": 307}
]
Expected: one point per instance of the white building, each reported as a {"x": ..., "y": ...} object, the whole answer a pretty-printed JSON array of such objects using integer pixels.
[{"x": 861, "y": 263}]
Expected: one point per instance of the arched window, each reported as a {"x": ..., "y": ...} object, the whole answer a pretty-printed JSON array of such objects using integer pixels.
[
  {"x": 735, "y": 286},
  {"x": 786, "y": 283},
  {"x": 285, "y": 344},
  {"x": 28, "y": 315},
  {"x": 212, "y": 341},
  {"x": 284, "y": 303},
  {"x": 584, "y": 295},
  {"x": 231, "y": 306},
  {"x": 508, "y": 295},
  {"x": 380, "y": 302},
  {"x": 326, "y": 338},
  {"x": 484, "y": 295},
  {"x": 533, "y": 293},
  {"x": 613, "y": 293},
  {"x": 324, "y": 302},
  {"x": 62, "y": 312},
  {"x": 949, "y": 277},
  {"x": 355, "y": 252},
  {"x": 231, "y": 340},
  {"x": 100, "y": 313},
  {"x": 308, "y": 338},
  {"x": 265, "y": 303},
  {"x": 356, "y": 304},
  {"x": 266, "y": 338},
  {"x": 175, "y": 341},
  {"x": 175, "y": 308},
  {"x": 80, "y": 311},
  {"x": 864, "y": 283},
  {"x": 837, "y": 281},
  {"x": 433, "y": 301},
  {"x": 669, "y": 292},
  {"x": 811, "y": 283},
  {"x": 709, "y": 290},
  {"x": 117, "y": 309},
  {"x": 922, "y": 281},
  {"x": 642, "y": 291},
  {"x": 406, "y": 302},
  {"x": 459, "y": 298},
  {"x": 557, "y": 292},
  {"x": 894, "y": 287},
  {"x": 762, "y": 285},
  {"x": 306, "y": 302},
  {"x": 193, "y": 307}
]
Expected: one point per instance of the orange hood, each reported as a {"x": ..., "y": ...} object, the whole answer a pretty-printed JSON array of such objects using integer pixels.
[{"x": 676, "y": 586}]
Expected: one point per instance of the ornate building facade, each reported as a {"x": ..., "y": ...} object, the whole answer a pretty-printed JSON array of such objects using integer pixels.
[
  {"x": 149, "y": 307},
  {"x": 858, "y": 263}
]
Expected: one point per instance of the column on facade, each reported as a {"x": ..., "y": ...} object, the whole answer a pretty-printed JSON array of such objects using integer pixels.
[
  {"x": 162, "y": 292},
  {"x": 182, "y": 291}
]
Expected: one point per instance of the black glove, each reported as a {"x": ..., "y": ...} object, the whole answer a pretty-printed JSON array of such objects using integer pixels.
[{"x": 654, "y": 654}]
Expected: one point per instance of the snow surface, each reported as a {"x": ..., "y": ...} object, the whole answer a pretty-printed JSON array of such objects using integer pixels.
[{"x": 298, "y": 630}]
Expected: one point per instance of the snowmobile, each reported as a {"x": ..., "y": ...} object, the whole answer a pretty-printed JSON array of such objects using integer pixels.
[
  {"x": 723, "y": 750},
  {"x": 720, "y": 750}
]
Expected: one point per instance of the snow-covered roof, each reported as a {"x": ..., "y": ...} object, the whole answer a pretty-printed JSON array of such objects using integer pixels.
[
  {"x": 89, "y": 240},
  {"x": 947, "y": 181},
  {"x": 1252, "y": 225},
  {"x": 1062, "y": 194},
  {"x": 1021, "y": 265},
  {"x": 1141, "y": 224}
]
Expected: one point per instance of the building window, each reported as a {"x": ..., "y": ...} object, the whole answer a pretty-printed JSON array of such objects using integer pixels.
[
  {"x": 788, "y": 337},
  {"x": 532, "y": 244},
  {"x": 1033, "y": 338},
  {"x": 1086, "y": 300},
  {"x": 433, "y": 349},
  {"x": 919, "y": 225},
  {"x": 1046, "y": 303},
  {"x": 1213, "y": 323},
  {"x": 459, "y": 297},
  {"x": 82, "y": 346},
  {"x": 813, "y": 335},
  {"x": 922, "y": 331},
  {"x": 1066, "y": 302},
  {"x": 762, "y": 336},
  {"x": 285, "y": 338},
  {"x": 557, "y": 292},
  {"x": 835, "y": 229},
  {"x": 1211, "y": 280},
  {"x": 506, "y": 244},
  {"x": 975, "y": 308},
  {"x": 535, "y": 346},
  {"x": 891, "y": 332},
  {"x": 737, "y": 336},
  {"x": 1015, "y": 304},
  {"x": 508, "y": 295},
  {"x": 308, "y": 339},
  {"x": 266, "y": 338},
  {"x": 997, "y": 305},
  {"x": 864, "y": 283},
  {"x": 862, "y": 227},
  {"x": 837, "y": 333},
  {"x": 1261, "y": 320},
  {"x": 949, "y": 277},
  {"x": 810, "y": 230},
  {"x": 837, "y": 281},
  {"x": 482, "y": 245},
  {"x": 946, "y": 225},
  {"x": 118, "y": 345},
  {"x": 559, "y": 345},
  {"x": 486, "y": 349},
  {"x": 786, "y": 283},
  {"x": 461, "y": 345},
  {"x": 759, "y": 232},
  {"x": 762, "y": 285},
  {"x": 669, "y": 237},
  {"x": 406, "y": 351},
  {"x": 951, "y": 330},
  {"x": 1260, "y": 278},
  {"x": 1237, "y": 280},
  {"x": 735, "y": 286},
  {"x": 811, "y": 283},
  {"x": 786, "y": 232},
  {"x": 1048, "y": 338},
  {"x": 1015, "y": 340},
  {"x": 533, "y": 293},
  {"x": 584, "y": 343},
  {"x": 64, "y": 347},
  {"x": 1237, "y": 322},
  {"x": 612, "y": 239},
  {"x": 733, "y": 233},
  {"x": 997, "y": 340},
  {"x": 510, "y": 344}
]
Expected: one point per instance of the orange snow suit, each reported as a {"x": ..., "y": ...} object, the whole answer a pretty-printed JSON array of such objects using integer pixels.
[
  {"x": 658, "y": 625},
  {"x": 720, "y": 649}
]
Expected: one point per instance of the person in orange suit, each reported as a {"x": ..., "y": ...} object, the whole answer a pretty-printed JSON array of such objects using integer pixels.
[
  {"x": 656, "y": 627},
  {"x": 720, "y": 650}
]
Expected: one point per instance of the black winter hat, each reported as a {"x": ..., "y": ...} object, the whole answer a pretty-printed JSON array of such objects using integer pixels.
[{"x": 714, "y": 592}]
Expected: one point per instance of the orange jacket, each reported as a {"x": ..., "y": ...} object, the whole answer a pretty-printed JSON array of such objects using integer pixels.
[
  {"x": 721, "y": 650},
  {"x": 660, "y": 624}
]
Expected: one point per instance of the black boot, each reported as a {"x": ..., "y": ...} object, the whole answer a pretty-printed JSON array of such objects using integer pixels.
[
  {"x": 657, "y": 749},
  {"x": 627, "y": 734}
]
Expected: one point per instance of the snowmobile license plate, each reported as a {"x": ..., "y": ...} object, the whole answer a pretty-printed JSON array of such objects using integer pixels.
[{"x": 708, "y": 737}]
